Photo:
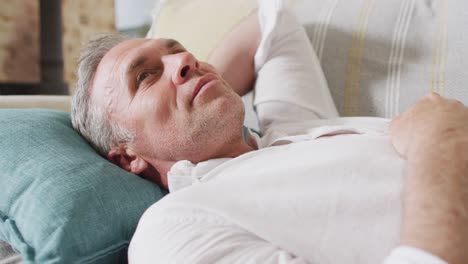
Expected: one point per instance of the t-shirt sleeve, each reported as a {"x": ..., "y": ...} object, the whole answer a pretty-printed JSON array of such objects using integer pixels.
[{"x": 290, "y": 84}]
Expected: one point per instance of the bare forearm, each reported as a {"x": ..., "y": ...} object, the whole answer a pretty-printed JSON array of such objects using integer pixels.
[
  {"x": 234, "y": 55},
  {"x": 435, "y": 203}
]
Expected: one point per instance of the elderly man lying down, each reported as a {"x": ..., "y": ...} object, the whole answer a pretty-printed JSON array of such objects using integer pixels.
[{"x": 315, "y": 188}]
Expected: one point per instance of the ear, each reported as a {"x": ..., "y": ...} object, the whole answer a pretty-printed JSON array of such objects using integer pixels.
[{"x": 127, "y": 160}]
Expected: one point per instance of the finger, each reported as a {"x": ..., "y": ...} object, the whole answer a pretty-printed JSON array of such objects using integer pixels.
[
  {"x": 456, "y": 102},
  {"x": 432, "y": 96}
]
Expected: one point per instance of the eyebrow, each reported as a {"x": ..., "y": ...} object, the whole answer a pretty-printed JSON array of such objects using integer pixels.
[
  {"x": 169, "y": 44},
  {"x": 137, "y": 63}
]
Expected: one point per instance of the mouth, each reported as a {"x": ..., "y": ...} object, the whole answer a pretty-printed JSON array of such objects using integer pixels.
[{"x": 202, "y": 81}]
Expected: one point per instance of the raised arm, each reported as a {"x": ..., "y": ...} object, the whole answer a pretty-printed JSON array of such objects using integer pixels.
[
  {"x": 433, "y": 136},
  {"x": 234, "y": 55}
]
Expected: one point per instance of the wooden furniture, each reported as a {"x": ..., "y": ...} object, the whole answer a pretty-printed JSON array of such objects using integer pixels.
[{"x": 51, "y": 55}]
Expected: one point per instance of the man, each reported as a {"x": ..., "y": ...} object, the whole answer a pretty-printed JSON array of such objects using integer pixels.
[{"x": 302, "y": 192}]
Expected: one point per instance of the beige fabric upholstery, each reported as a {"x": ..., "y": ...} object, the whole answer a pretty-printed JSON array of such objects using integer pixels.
[
  {"x": 193, "y": 22},
  {"x": 8, "y": 255},
  {"x": 379, "y": 56},
  {"x": 58, "y": 102}
]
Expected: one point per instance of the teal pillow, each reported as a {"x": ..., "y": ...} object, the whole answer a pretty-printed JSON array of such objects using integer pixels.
[{"x": 60, "y": 202}]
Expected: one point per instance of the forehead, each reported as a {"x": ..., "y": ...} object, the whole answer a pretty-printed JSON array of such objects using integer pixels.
[
  {"x": 117, "y": 58},
  {"x": 111, "y": 69},
  {"x": 132, "y": 47}
]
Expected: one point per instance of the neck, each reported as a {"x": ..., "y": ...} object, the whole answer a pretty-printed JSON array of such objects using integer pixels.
[
  {"x": 162, "y": 168},
  {"x": 235, "y": 150}
]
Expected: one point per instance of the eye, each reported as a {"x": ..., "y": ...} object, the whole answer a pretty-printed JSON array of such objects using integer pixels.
[{"x": 143, "y": 76}]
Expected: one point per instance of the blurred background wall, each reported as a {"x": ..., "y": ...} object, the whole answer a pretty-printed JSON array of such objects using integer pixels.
[
  {"x": 19, "y": 32},
  {"x": 19, "y": 41}
]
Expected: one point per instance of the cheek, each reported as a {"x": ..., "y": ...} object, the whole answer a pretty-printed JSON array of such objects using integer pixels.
[
  {"x": 150, "y": 113},
  {"x": 158, "y": 105},
  {"x": 155, "y": 132}
]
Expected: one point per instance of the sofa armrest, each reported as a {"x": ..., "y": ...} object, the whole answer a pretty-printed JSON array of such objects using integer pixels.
[{"x": 58, "y": 102}]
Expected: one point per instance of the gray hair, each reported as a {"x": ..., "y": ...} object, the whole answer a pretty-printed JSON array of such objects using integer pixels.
[{"x": 90, "y": 120}]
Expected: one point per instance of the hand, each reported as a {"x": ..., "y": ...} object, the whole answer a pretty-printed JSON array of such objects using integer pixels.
[
  {"x": 433, "y": 135},
  {"x": 429, "y": 123}
]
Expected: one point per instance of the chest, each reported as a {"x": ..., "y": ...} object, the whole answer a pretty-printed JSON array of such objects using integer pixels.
[{"x": 330, "y": 200}]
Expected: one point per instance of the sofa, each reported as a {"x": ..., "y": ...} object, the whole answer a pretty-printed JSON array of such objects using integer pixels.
[{"x": 379, "y": 57}]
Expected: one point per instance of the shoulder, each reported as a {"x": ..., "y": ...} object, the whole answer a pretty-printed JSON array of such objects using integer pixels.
[{"x": 172, "y": 232}]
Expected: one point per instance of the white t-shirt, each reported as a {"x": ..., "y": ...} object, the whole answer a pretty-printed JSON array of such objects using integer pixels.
[{"x": 301, "y": 197}]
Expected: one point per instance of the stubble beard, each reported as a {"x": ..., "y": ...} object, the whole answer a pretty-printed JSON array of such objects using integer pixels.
[{"x": 211, "y": 131}]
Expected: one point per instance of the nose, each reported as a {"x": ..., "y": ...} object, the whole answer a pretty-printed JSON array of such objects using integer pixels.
[{"x": 182, "y": 65}]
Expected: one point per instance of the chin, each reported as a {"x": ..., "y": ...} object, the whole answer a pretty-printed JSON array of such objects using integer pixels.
[{"x": 223, "y": 121}]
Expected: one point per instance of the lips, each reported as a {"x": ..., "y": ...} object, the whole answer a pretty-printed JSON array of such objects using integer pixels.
[{"x": 201, "y": 82}]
